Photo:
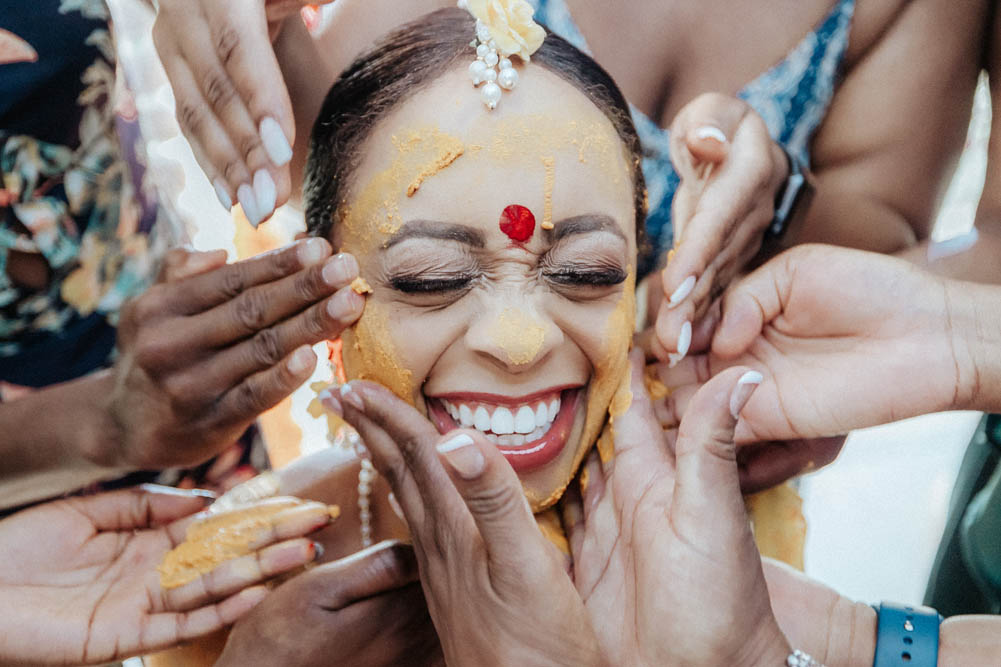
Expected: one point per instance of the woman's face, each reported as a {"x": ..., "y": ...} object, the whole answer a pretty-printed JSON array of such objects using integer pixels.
[{"x": 525, "y": 341}]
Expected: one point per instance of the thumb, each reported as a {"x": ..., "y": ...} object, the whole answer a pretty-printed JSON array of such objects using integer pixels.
[
  {"x": 494, "y": 496},
  {"x": 707, "y": 487},
  {"x": 749, "y": 305}
]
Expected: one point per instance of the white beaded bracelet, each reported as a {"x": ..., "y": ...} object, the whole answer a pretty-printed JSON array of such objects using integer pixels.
[{"x": 800, "y": 659}]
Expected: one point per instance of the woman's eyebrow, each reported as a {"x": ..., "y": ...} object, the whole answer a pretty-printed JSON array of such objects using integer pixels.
[
  {"x": 432, "y": 229},
  {"x": 582, "y": 224}
]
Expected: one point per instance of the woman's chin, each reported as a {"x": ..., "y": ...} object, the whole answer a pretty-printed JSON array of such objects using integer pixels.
[{"x": 537, "y": 434}]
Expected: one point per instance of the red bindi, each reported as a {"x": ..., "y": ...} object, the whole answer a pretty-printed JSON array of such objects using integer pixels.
[{"x": 517, "y": 222}]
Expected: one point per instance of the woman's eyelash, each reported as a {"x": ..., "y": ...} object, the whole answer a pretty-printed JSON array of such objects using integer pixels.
[
  {"x": 586, "y": 277},
  {"x": 414, "y": 284}
]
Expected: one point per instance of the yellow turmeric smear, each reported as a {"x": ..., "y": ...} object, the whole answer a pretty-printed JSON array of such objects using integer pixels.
[
  {"x": 552, "y": 529},
  {"x": 547, "y": 213},
  {"x": 219, "y": 538},
  {"x": 370, "y": 354},
  {"x": 360, "y": 286},
  {"x": 654, "y": 387},
  {"x": 519, "y": 335},
  {"x": 451, "y": 154}
]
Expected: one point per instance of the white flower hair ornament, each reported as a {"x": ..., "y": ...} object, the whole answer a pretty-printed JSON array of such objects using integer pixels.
[{"x": 504, "y": 28}]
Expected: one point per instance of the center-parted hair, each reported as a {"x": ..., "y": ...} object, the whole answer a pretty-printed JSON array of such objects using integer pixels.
[{"x": 409, "y": 59}]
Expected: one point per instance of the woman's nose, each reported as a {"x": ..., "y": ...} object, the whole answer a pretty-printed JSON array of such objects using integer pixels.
[{"x": 517, "y": 338}]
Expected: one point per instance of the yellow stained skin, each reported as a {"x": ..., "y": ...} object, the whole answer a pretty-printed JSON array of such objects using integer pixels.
[
  {"x": 219, "y": 538},
  {"x": 369, "y": 353},
  {"x": 547, "y": 216},
  {"x": 360, "y": 286},
  {"x": 520, "y": 335}
]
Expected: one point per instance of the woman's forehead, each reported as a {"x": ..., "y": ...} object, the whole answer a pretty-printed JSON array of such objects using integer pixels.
[{"x": 546, "y": 146}]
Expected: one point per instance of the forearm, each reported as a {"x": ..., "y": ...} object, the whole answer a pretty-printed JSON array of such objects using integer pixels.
[
  {"x": 980, "y": 262},
  {"x": 55, "y": 440}
]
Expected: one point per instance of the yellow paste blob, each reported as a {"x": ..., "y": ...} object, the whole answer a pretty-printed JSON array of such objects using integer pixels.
[
  {"x": 552, "y": 529},
  {"x": 520, "y": 335},
  {"x": 547, "y": 215},
  {"x": 450, "y": 155},
  {"x": 779, "y": 526},
  {"x": 370, "y": 354},
  {"x": 222, "y": 537},
  {"x": 654, "y": 387},
  {"x": 360, "y": 286}
]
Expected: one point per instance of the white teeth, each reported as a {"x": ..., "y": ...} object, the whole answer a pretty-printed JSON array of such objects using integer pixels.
[
  {"x": 465, "y": 416},
  {"x": 542, "y": 415},
  {"x": 517, "y": 440},
  {"x": 524, "y": 421},
  {"x": 481, "y": 420},
  {"x": 505, "y": 440},
  {"x": 492, "y": 438},
  {"x": 534, "y": 435},
  {"x": 452, "y": 410},
  {"x": 554, "y": 409},
  {"x": 502, "y": 422}
]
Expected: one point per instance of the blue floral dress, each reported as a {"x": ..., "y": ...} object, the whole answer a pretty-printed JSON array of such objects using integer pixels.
[{"x": 792, "y": 97}]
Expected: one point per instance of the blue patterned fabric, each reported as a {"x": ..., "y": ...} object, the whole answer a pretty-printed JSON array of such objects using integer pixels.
[{"x": 792, "y": 97}]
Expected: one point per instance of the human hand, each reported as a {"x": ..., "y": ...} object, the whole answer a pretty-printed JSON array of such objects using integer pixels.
[
  {"x": 498, "y": 592},
  {"x": 366, "y": 609},
  {"x": 730, "y": 172},
  {"x": 845, "y": 339},
  {"x": 662, "y": 541},
  {"x": 81, "y": 573},
  {"x": 231, "y": 99},
  {"x": 206, "y": 350}
]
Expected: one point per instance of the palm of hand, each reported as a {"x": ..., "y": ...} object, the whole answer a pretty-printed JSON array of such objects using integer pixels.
[{"x": 76, "y": 586}]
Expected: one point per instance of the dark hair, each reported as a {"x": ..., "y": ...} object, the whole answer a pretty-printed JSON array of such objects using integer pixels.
[{"x": 400, "y": 65}]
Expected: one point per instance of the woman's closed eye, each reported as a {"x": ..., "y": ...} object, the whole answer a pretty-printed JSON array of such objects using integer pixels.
[
  {"x": 581, "y": 275},
  {"x": 431, "y": 282}
]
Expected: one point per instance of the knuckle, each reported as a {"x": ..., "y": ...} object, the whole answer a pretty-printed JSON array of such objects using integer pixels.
[
  {"x": 266, "y": 347},
  {"x": 494, "y": 502},
  {"x": 250, "y": 398},
  {"x": 234, "y": 172},
  {"x": 219, "y": 90},
  {"x": 286, "y": 262},
  {"x": 191, "y": 117},
  {"x": 233, "y": 282},
  {"x": 151, "y": 350},
  {"x": 309, "y": 285},
  {"x": 250, "y": 311},
  {"x": 251, "y": 148},
  {"x": 180, "y": 390},
  {"x": 396, "y": 471},
  {"x": 226, "y": 43}
]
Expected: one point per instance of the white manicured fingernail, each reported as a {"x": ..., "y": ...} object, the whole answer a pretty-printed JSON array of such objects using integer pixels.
[
  {"x": 452, "y": 444},
  {"x": 684, "y": 342},
  {"x": 301, "y": 360},
  {"x": 395, "y": 504},
  {"x": 275, "y": 143},
  {"x": 245, "y": 195},
  {"x": 710, "y": 132},
  {"x": 746, "y": 385},
  {"x": 223, "y": 194},
  {"x": 264, "y": 188},
  {"x": 680, "y": 294},
  {"x": 352, "y": 398}
]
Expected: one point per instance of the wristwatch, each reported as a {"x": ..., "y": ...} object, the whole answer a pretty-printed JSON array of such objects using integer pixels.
[
  {"x": 792, "y": 200},
  {"x": 906, "y": 636}
]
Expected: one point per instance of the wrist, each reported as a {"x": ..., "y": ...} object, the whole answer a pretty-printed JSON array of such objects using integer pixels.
[
  {"x": 92, "y": 428},
  {"x": 851, "y": 637}
]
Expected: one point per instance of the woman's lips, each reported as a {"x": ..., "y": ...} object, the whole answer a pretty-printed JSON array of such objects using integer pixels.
[{"x": 529, "y": 431}]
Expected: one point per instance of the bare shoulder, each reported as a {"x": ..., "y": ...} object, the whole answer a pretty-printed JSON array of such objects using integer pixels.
[{"x": 876, "y": 21}]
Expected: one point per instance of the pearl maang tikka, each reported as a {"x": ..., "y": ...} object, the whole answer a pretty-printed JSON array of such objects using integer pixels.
[{"x": 490, "y": 70}]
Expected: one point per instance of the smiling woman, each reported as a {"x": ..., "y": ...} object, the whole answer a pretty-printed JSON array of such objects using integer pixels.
[{"x": 479, "y": 318}]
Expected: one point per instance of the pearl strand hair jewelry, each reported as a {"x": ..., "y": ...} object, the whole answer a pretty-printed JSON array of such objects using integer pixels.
[{"x": 503, "y": 30}]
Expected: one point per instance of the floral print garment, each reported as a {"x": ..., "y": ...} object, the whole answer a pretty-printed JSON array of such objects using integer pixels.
[{"x": 72, "y": 197}]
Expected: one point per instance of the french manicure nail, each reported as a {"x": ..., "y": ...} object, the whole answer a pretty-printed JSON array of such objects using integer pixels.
[
  {"x": 302, "y": 359},
  {"x": 395, "y": 504},
  {"x": 264, "y": 188},
  {"x": 467, "y": 461},
  {"x": 245, "y": 195},
  {"x": 340, "y": 270},
  {"x": 318, "y": 551},
  {"x": 741, "y": 393},
  {"x": 710, "y": 132},
  {"x": 331, "y": 402},
  {"x": 351, "y": 397},
  {"x": 684, "y": 342},
  {"x": 222, "y": 192},
  {"x": 680, "y": 294},
  {"x": 276, "y": 145},
  {"x": 310, "y": 252}
]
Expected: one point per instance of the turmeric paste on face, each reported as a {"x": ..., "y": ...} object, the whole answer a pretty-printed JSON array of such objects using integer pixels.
[{"x": 519, "y": 335}]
